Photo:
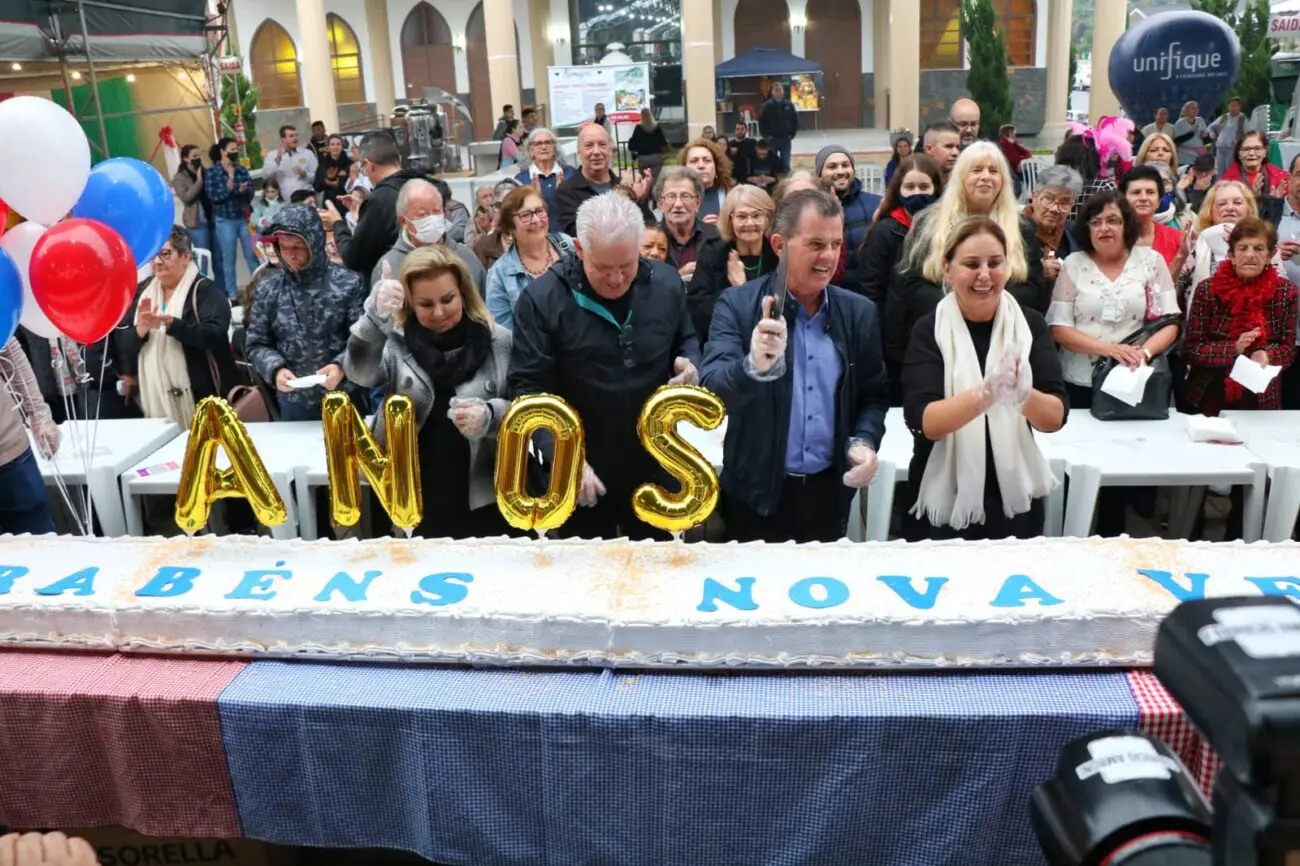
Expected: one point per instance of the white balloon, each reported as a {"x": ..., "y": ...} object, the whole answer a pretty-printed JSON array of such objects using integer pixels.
[
  {"x": 46, "y": 158},
  {"x": 19, "y": 242}
]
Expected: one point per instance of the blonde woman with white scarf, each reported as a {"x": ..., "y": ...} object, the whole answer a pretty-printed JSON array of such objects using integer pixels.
[
  {"x": 980, "y": 372},
  {"x": 175, "y": 343}
]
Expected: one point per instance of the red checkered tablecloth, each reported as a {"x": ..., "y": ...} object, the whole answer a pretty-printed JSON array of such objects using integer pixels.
[
  {"x": 92, "y": 739},
  {"x": 1161, "y": 716}
]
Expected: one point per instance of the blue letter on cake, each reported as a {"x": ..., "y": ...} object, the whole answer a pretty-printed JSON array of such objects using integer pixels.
[
  {"x": 741, "y": 598},
  {"x": 1284, "y": 586},
  {"x": 8, "y": 574},
  {"x": 344, "y": 584},
  {"x": 81, "y": 583},
  {"x": 1194, "y": 591},
  {"x": 257, "y": 584},
  {"x": 169, "y": 582},
  {"x": 1018, "y": 588},
  {"x": 834, "y": 590},
  {"x": 443, "y": 589},
  {"x": 903, "y": 586}
]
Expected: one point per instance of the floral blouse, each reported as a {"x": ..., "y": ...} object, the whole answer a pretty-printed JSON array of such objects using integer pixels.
[{"x": 1107, "y": 310}]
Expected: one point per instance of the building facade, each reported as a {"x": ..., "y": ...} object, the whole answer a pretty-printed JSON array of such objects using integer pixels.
[{"x": 887, "y": 63}]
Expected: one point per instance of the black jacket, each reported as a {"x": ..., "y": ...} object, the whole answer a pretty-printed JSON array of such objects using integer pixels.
[
  {"x": 711, "y": 280},
  {"x": 742, "y": 152},
  {"x": 203, "y": 329},
  {"x": 570, "y": 196},
  {"x": 911, "y": 296},
  {"x": 878, "y": 257},
  {"x": 376, "y": 230},
  {"x": 336, "y": 170},
  {"x": 758, "y": 413},
  {"x": 560, "y": 346},
  {"x": 778, "y": 119}
]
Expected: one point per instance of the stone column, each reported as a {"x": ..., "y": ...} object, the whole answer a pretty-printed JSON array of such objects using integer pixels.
[
  {"x": 1060, "y": 15},
  {"x": 381, "y": 59},
  {"x": 314, "y": 57},
  {"x": 539, "y": 19},
  {"x": 880, "y": 62},
  {"x": 1107, "y": 27},
  {"x": 904, "y": 36},
  {"x": 697, "y": 67},
  {"x": 503, "y": 61}
]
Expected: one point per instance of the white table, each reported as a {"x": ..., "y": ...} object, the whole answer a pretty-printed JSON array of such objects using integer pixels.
[
  {"x": 282, "y": 445},
  {"x": 1148, "y": 454},
  {"x": 1274, "y": 437},
  {"x": 114, "y": 445}
]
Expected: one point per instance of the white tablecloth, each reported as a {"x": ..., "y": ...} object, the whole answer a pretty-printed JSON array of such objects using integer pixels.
[
  {"x": 114, "y": 445},
  {"x": 1274, "y": 437}
]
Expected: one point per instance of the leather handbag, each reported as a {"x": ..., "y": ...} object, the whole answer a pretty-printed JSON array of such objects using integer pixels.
[
  {"x": 249, "y": 401},
  {"x": 1155, "y": 399}
]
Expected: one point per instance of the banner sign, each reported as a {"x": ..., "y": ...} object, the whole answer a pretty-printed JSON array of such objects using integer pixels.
[
  {"x": 575, "y": 90},
  {"x": 1173, "y": 58},
  {"x": 1284, "y": 25}
]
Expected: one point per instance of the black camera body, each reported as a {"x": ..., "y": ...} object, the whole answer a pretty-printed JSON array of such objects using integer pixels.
[{"x": 1122, "y": 797}]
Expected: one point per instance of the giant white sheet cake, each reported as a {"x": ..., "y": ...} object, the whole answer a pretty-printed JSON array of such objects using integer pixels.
[{"x": 618, "y": 603}]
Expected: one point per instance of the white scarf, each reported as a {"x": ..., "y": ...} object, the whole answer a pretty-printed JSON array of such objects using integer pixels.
[
  {"x": 952, "y": 488},
  {"x": 164, "y": 379}
]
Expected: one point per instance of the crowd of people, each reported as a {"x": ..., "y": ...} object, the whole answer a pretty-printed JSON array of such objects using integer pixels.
[{"x": 984, "y": 317}]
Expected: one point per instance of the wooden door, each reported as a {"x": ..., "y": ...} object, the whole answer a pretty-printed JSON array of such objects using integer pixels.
[
  {"x": 428, "y": 58},
  {"x": 834, "y": 39},
  {"x": 762, "y": 24}
]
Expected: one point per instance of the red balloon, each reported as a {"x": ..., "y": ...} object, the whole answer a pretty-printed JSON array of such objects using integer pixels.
[
  {"x": 83, "y": 278},
  {"x": 4, "y": 217}
]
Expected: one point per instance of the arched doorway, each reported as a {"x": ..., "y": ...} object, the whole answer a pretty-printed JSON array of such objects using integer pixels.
[
  {"x": 480, "y": 86},
  {"x": 834, "y": 39},
  {"x": 273, "y": 59},
  {"x": 428, "y": 58},
  {"x": 345, "y": 61},
  {"x": 762, "y": 24}
]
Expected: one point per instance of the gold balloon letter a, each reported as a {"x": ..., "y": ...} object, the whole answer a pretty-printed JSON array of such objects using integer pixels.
[
  {"x": 657, "y": 427},
  {"x": 216, "y": 424},
  {"x": 525, "y": 417},
  {"x": 395, "y": 476}
]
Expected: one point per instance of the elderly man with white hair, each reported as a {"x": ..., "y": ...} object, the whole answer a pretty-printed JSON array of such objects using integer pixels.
[
  {"x": 422, "y": 223},
  {"x": 605, "y": 329}
]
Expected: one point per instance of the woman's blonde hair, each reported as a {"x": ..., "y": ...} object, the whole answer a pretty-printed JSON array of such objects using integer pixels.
[
  {"x": 744, "y": 194},
  {"x": 931, "y": 232},
  {"x": 432, "y": 262},
  {"x": 795, "y": 176},
  {"x": 721, "y": 162},
  {"x": 1205, "y": 217},
  {"x": 1146, "y": 145}
]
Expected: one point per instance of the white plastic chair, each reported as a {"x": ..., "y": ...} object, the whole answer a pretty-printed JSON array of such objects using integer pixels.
[
  {"x": 1029, "y": 170},
  {"x": 203, "y": 261},
  {"x": 873, "y": 178}
]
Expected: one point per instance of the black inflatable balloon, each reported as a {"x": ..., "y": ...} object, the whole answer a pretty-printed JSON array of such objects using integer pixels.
[{"x": 1173, "y": 58}]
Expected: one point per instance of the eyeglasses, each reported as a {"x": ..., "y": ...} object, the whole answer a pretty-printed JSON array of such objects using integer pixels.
[
  {"x": 543, "y": 142},
  {"x": 1252, "y": 150},
  {"x": 528, "y": 217},
  {"x": 165, "y": 255},
  {"x": 1111, "y": 222},
  {"x": 743, "y": 218},
  {"x": 674, "y": 197},
  {"x": 968, "y": 124},
  {"x": 1051, "y": 202}
]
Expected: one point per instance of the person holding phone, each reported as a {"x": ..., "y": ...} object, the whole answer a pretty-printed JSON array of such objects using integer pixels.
[{"x": 230, "y": 190}]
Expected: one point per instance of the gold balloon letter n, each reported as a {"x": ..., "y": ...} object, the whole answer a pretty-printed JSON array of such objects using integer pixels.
[
  {"x": 525, "y": 417},
  {"x": 202, "y": 483},
  {"x": 395, "y": 476}
]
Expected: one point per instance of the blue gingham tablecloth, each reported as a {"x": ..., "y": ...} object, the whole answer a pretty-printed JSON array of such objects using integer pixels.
[{"x": 560, "y": 768}]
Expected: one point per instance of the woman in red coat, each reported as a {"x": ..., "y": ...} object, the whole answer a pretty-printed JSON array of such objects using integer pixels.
[{"x": 1250, "y": 165}]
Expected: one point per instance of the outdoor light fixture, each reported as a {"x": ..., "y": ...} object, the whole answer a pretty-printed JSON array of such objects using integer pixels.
[
  {"x": 798, "y": 22},
  {"x": 130, "y": 78},
  {"x": 559, "y": 33},
  {"x": 17, "y": 67}
]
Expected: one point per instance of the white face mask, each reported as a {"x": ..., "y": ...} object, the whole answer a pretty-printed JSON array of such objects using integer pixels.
[{"x": 430, "y": 229}]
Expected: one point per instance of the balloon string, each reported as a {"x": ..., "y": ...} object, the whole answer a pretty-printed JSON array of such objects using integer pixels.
[{"x": 94, "y": 426}]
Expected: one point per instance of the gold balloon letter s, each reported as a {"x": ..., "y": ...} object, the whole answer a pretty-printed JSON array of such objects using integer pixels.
[
  {"x": 657, "y": 427},
  {"x": 395, "y": 476},
  {"x": 216, "y": 424},
  {"x": 525, "y": 417}
]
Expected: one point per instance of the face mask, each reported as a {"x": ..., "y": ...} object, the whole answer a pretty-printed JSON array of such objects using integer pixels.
[
  {"x": 918, "y": 202},
  {"x": 429, "y": 230},
  {"x": 196, "y": 162}
]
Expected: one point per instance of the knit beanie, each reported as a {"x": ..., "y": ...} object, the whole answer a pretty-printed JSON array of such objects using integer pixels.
[{"x": 826, "y": 152}]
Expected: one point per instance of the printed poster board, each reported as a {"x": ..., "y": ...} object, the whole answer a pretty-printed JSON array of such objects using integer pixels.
[{"x": 575, "y": 90}]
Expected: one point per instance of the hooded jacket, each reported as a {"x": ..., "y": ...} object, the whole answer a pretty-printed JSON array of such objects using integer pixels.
[
  {"x": 301, "y": 319},
  {"x": 565, "y": 345},
  {"x": 376, "y": 232}
]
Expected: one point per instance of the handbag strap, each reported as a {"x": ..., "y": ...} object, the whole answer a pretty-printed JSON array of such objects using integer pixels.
[
  {"x": 1150, "y": 328},
  {"x": 213, "y": 370}
]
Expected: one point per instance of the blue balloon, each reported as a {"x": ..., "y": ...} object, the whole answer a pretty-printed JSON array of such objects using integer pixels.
[
  {"x": 1173, "y": 58},
  {"x": 133, "y": 199},
  {"x": 11, "y": 297}
]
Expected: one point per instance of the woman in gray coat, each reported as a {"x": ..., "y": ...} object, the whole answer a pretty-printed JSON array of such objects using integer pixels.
[{"x": 429, "y": 336}]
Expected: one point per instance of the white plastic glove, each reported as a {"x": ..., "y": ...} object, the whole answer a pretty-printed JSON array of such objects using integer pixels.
[
  {"x": 767, "y": 345},
  {"x": 999, "y": 388},
  {"x": 48, "y": 437},
  {"x": 387, "y": 296},
  {"x": 471, "y": 416},
  {"x": 686, "y": 374},
  {"x": 862, "y": 465},
  {"x": 1024, "y": 382},
  {"x": 591, "y": 488}
]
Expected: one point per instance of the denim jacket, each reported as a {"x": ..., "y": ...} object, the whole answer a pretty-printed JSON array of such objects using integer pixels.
[{"x": 507, "y": 279}]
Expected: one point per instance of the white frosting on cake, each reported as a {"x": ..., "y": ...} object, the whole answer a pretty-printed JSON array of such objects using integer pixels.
[{"x": 619, "y": 603}]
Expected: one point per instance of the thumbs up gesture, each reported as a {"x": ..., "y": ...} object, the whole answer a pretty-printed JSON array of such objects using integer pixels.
[{"x": 387, "y": 296}]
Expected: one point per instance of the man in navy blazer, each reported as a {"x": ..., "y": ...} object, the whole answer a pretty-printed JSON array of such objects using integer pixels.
[{"x": 806, "y": 390}]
